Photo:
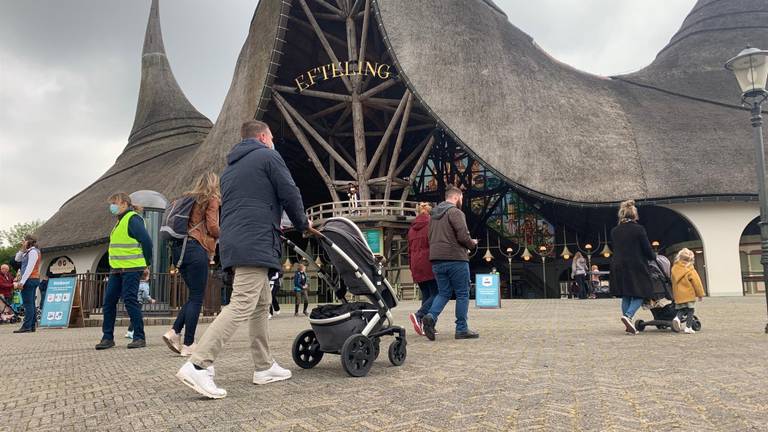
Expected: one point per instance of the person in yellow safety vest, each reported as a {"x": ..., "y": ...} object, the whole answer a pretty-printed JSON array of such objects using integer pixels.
[{"x": 130, "y": 252}]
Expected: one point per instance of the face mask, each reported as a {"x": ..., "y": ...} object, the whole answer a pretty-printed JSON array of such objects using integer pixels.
[{"x": 114, "y": 209}]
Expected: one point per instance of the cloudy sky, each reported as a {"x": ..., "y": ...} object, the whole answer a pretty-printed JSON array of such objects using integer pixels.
[{"x": 69, "y": 73}]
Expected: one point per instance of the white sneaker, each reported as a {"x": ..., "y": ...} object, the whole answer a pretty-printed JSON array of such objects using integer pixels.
[
  {"x": 269, "y": 317},
  {"x": 129, "y": 335},
  {"x": 689, "y": 330},
  {"x": 676, "y": 324},
  {"x": 187, "y": 350},
  {"x": 173, "y": 341},
  {"x": 200, "y": 381},
  {"x": 277, "y": 312},
  {"x": 275, "y": 373},
  {"x": 630, "y": 328}
]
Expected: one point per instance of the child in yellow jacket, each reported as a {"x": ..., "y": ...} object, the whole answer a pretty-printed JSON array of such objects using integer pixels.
[{"x": 686, "y": 288}]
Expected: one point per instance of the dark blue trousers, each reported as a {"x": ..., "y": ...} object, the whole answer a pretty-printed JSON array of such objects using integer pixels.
[
  {"x": 194, "y": 270},
  {"x": 428, "y": 293},
  {"x": 28, "y": 300},
  {"x": 123, "y": 285}
]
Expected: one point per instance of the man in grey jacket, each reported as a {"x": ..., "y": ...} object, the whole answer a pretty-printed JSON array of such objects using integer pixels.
[
  {"x": 449, "y": 242},
  {"x": 255, "y": 188}
]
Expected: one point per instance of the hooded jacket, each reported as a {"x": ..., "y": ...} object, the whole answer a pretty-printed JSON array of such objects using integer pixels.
[
  {"x": 255, "y": 188},
  {"x": 418, "y": 249},
  {"x": 449, "y": 237},
  {"x": 686, "y": 283}
]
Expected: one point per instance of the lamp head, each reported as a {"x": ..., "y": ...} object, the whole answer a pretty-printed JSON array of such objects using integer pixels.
[
  {"x": 566, "y": 253},
  {"x": 488, "y": 257},
  {"x": 588, "y": 247},
  {"x": 527, "y": 255},
  {"x": 750, "y": 67}
]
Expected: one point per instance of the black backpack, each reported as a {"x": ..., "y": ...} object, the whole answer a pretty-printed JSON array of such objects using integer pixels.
[{"x": 176, "y": 223}]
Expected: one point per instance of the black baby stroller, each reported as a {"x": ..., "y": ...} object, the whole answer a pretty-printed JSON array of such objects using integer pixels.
[
  {"x": 352, "y": 330},
  {"x": 661, "y": 305},
  {"x": 9, "y": 312}
]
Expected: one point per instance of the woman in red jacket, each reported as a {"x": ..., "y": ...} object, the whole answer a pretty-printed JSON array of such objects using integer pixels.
[{"x": 421, "y": 268}]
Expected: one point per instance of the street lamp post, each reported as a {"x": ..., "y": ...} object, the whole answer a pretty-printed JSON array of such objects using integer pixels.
[
  {"x": 750, "y": 67},
  {"x": 543, "y": 254}
]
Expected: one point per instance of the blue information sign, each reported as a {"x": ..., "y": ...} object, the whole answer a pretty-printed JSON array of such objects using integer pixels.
[
  {"x": 487, "y": 291},
  {"x": 58, "y": 302}
]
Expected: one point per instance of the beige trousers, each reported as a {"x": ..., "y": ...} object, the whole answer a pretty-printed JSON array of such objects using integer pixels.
[{"x": 250, "y": 302}]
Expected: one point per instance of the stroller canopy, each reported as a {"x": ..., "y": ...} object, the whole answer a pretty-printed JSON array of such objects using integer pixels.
[{"x": 348, "y": 237}]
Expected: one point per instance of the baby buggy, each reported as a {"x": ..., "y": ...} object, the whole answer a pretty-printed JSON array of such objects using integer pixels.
[
  {"x": 662, "y": 305},
  {"x": 351, "y": 329},
  {"x": 10, "y": 311}
]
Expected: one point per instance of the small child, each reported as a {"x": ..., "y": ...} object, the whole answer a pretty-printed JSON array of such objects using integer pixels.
[
  {"x": 594, "y": 280},
  {"x": 144, "y": 297},
  {"x": 686, "y": 287}
]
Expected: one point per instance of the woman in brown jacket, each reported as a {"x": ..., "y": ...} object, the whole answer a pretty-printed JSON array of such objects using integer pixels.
[{"x": 201, "y": 246}]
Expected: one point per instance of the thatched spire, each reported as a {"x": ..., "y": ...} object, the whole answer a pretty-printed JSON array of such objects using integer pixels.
[{"x": 162, "y": 105}]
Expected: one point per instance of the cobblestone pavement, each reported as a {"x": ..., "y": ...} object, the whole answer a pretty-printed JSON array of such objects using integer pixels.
[{"x": 539, "y": 365}]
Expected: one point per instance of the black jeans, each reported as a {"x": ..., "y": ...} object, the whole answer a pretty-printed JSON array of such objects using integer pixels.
[
  {"x": 581, "y": 280},
  {"x": 194, "y": 271}
]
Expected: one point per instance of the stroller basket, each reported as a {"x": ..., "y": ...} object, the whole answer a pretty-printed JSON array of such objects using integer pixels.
[{"x": 334, "y": 323}]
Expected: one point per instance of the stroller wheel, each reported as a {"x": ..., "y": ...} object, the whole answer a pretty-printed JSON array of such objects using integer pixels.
[
  {"x": 357, "y": 355},
  {"x": 696, "y": 324},
  {"x": 376, "y": 347},
  {"x": 397, "y": 352},
  {"x": 306, "y": 350},
  {"x": 640, "y": 325}
]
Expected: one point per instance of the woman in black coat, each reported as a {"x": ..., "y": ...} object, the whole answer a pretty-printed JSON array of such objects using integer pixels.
[{"x": 630, "y": 278}]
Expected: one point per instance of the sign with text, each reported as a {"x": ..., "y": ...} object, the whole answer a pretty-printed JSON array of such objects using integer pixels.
[
  {"x": 487, "y": 291},
  {"x": 342, "y": 69},
  {"x": 58, "y": 302},
  {"x": 374, "y": 239}
]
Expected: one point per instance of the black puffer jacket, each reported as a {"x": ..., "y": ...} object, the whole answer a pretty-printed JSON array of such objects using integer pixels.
[
  {"x": 630, "y": 275},
  {"x": 255, "y": 188}
]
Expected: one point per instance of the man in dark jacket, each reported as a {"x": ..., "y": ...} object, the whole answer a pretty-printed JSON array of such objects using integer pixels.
[
  {"x": 255, "y": 188},
  {"x": 449, "y": 242}
]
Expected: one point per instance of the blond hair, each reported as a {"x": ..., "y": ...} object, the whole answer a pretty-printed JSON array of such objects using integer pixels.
[
  {"x": 424, "y": 208},
  {"x": 122, "y": 197},
  {"x": 206, "y": 188},
  {"x": 685, "y": 256},
  {"x": 627, "y": 210}
]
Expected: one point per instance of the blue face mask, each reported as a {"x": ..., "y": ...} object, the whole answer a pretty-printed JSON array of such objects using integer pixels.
[{"x": 114, "y": 209}]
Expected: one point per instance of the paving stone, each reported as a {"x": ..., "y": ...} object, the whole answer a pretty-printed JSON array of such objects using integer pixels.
[{"x": 540, "y": 365}]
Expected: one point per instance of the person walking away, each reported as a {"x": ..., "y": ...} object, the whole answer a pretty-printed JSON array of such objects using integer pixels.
[
  {"x": 144, "y": 298},
  {"x": 31, "y": 259},
  {"x": 300, "y": 289},
  {"x": 274, "y": 288},
  {"x": 630, "y": 278},
  {"x": 255, "y": 187},
  {"x": 203, "y": 232},
  {"x": 449, "y": 245},
  {"x": 130, "y": 252},
  {"x": 579, "y": 274},
  {"x": 421, "y": 267},
  {"x": 686, "y": 288}
]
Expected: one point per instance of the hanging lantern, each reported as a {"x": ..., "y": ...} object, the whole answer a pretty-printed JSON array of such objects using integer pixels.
[
  {"x": 287, "y": 265},
  {"x": 319, "y": 262},
  {"x": 526, "y": 255},
  {"x": 488, "y": 257},
  {"x": 566, "y": 254},
  {"x": 606, "y": 252}
]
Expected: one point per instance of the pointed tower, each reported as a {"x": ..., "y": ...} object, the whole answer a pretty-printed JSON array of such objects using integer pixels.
[{"x": 162, "y": 106}]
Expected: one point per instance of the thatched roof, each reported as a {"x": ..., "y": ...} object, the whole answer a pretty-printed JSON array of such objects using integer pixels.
[
  {"x": 166, "y": 131},
  {"x": 577, "y": 137}
]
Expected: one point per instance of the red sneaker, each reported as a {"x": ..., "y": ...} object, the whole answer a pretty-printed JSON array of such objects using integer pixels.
[{"x": 416, "y": 324}]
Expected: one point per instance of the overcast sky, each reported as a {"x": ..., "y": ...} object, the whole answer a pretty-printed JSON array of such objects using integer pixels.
[{"x": 69, "y": 73}]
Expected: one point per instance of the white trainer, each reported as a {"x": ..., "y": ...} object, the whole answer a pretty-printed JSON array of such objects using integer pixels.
[
  {"x": 676, "y": 324},
  {"x": 187, "y": 350},
  {"x": 274, "y": 373},
  {"x": 200, "y": 381},
  {"x": 129, "y": 335},
  {"x": 173, "y": 341},
  {"x": 269, "y": 317},
  {"x": 689, "y": 330},
  {"x": 277, "y": 312}
]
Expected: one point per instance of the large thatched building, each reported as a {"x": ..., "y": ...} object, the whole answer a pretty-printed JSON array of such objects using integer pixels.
[{"x": 403, "y": 97}]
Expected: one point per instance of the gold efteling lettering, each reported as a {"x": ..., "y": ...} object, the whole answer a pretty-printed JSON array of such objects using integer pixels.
[{"x": 341, "y": 69}]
